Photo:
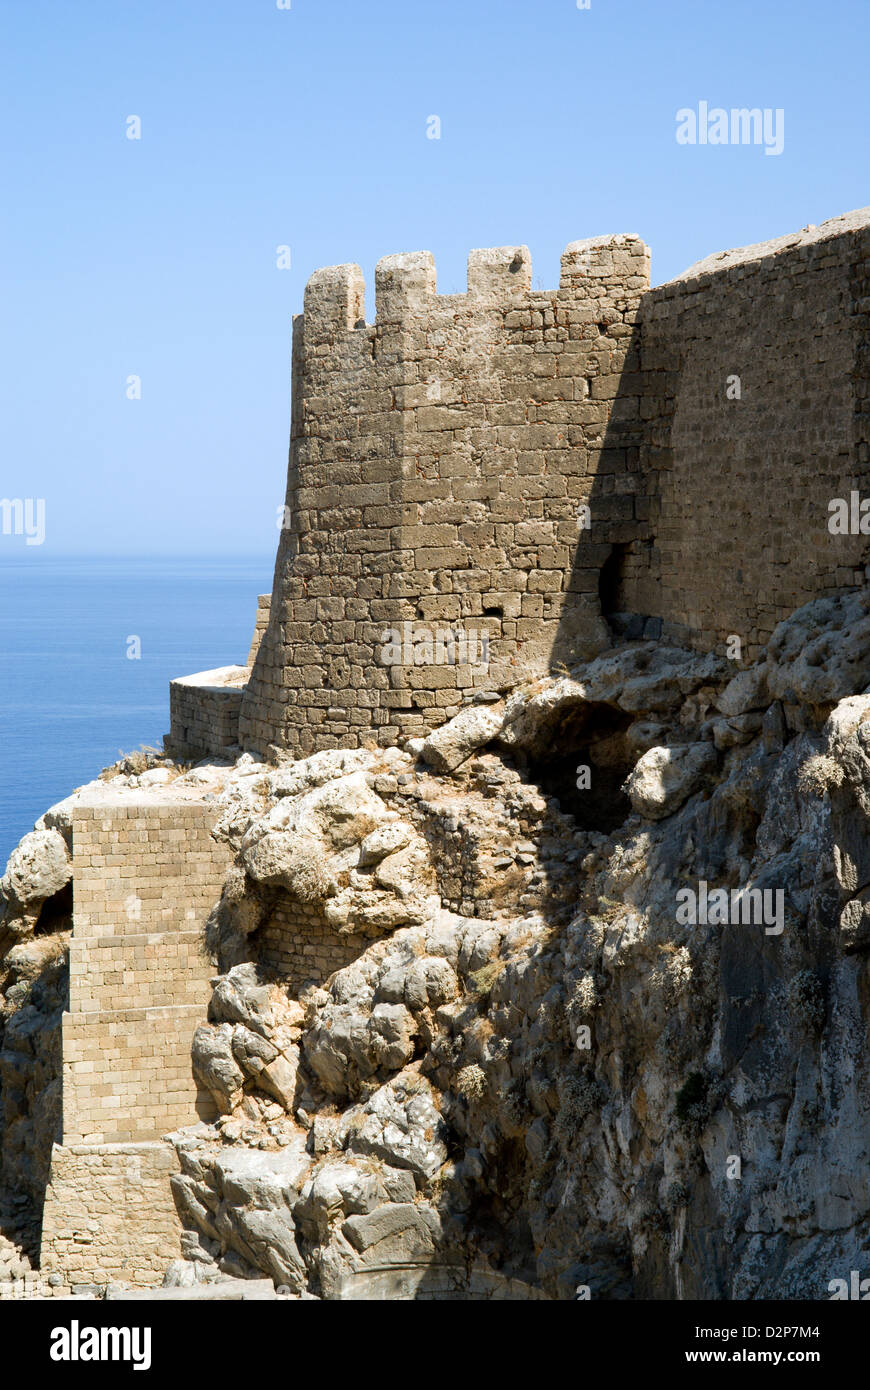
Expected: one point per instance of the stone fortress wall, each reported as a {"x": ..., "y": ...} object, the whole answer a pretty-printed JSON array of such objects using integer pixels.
[
  {"x": 740, "y": 487},
  {"x": 441, "y": 462},
  {"x": 441, "y": 458}
]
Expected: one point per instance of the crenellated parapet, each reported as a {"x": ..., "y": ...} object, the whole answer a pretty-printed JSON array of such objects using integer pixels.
[{"x": 490, "y": 485}]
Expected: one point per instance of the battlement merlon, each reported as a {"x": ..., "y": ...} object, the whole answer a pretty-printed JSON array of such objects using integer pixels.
[
  {"x": 599, "y": 265},
  {"x": 599, "y": 268},
  {"x": 404, "y": 285},
  {"x": 334, "y": 301},
  {"x": 498, "y": 273}
]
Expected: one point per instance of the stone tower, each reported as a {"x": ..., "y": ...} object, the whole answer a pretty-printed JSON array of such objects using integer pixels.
[{"x": 441, "y": 460}]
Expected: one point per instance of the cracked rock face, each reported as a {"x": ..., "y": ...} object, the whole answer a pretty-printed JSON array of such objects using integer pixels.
[
  {"x": 327, "y": 838},
  {"x": 821, "y": 654},
  {"x": 625, "y": 1055},
  {"x": 34, "y": 991},
  {"x": 38, "y": 868}
]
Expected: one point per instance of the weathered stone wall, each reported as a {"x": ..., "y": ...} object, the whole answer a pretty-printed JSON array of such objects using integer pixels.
[
  {"x": 741, "y": 486},
  {"x": 204, "y": 713},
  {"x": 204, "y": 708},
  {"x": 302, "y": 948},
  {"x": 109, "y": 1214},
  {"x": 146, "y": 875},
  {"x": 261, "y": 622},
  {"x": 439, "y": 458}
]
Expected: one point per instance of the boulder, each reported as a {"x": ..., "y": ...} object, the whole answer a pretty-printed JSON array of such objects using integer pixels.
[
  {"x": 252, "y": 1177},
  {"x": 59, "y": 817},
  {"x": 855, "y": 923},
  {"x": 239, "y": 997},
  {"x": 401, "y": 1224},
  {"x": 270, "y": 1237},
  {"x": 737, "y": 730},
  {"x": 666, "y": 777},
  {"x": 252, "y": 1051},
  {"x": 37, "y": 869},
  {"x": 402, "y": 1125},
  {"x": 821, "y": 653},
  {"x": 215, "y": 1066},
  {"x": 448, "y": 747},
  {"x": 407, "y": 871},
  {"x": 342, "y": 812},
  {"x": 349, "y": 1044},
  {"x": 293, "y": 861},
  {"x": 280, "y": 1078},
  {"x": 384, "y": 841},
  {"x": 744, "y": 692},
  {"x": 340, "y": 1188}
]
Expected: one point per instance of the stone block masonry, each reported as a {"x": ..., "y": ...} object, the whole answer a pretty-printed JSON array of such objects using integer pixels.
[
  {"x": 300, "y": 947},
  {"x": 756, "y": 392},
  {"x": 439, "y": 461},
  {"x": 264, "y": 603},
  {"x": 109, "y": 1214},
  {"x": 147, "y": 873},
  {"x": 204, "y": 713},
  {"x": 442, "y": 459},
  {"x": 204, "y": 708}
]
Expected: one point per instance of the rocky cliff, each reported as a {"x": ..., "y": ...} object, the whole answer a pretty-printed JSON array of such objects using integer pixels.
[{"x": 568, "y": 999}]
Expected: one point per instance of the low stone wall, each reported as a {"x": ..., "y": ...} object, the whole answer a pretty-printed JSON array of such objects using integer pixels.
[
  {"x": 204, "y": 712},
  {"x": 302, "y": 948},
  {"x": 204, "y": 708}
]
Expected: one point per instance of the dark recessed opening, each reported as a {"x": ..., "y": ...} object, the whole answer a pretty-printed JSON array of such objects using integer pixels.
[
  {"x": 611, "y": 580},
  {"x": 56, "y": 912},
  {"x": 494, "y": 612},
  {"x": 589, "y": 737}
]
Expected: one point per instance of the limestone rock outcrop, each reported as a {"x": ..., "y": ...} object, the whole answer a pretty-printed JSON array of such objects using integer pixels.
[
  {"x": 504, "y": 1031},
  {"x": 38, "y": 868}
]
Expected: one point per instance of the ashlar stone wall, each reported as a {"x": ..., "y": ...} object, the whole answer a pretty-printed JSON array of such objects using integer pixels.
[
  {"x": 756, "y": 400},
  {"x": 109, "y": 1214},
  {"x": 440, "y": 458},
  {"x": 147, "y": 873}
]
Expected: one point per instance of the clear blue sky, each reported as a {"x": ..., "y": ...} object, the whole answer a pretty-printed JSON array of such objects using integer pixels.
[{"x": 307, "y": 127}]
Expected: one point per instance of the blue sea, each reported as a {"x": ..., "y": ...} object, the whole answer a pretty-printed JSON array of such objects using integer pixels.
[{"x": 71, "y": 700}]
